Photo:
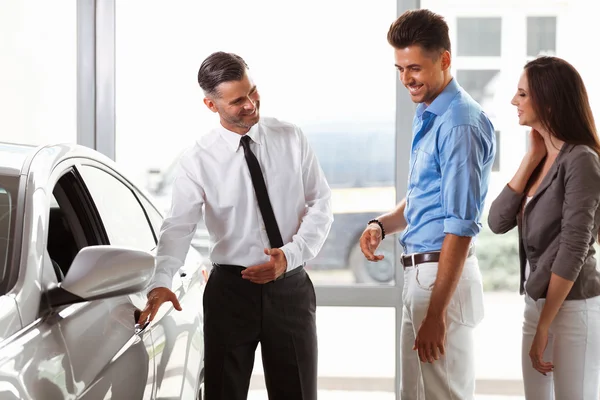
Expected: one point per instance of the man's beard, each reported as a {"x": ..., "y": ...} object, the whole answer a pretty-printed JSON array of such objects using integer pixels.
[{"x": 239, "y": 120}]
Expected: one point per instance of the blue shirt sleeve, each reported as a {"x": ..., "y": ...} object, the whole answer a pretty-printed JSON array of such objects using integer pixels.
[{"x": 464, "y": 153}]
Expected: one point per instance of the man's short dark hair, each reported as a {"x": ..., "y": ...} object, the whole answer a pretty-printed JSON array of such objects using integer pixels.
[
  {"x": 422, "y": 28},
  {"x": 220, "y": 67}
]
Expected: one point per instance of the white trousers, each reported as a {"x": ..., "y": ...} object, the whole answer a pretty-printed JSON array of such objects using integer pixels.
[
  {"x": 573, "y": 348},
  {"x": 452, "y": 377}
]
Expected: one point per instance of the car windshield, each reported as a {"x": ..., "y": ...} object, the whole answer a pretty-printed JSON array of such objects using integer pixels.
[
  {"x": 8, "y": 187},
  {"x": 5, "y": 224}
]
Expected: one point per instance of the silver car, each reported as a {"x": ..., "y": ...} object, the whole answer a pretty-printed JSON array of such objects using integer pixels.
[{"x": 76, "y": 253}]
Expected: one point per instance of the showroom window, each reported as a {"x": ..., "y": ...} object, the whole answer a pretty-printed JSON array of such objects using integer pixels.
[
  {"x": 38, "y": 71},
  {"x": 541, "y": 36},
  {"x": 480, "y": 37}
]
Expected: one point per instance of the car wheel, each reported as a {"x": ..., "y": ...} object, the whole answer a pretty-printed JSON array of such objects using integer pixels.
[{"x": 379, "y": 272}]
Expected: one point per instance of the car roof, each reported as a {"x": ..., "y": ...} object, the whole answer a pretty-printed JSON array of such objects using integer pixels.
[
  {"x": 23, "y": 159},
  {"x": 13, "y": 157}
]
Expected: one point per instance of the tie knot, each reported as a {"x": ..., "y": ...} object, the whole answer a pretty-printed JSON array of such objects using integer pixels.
[{"x": 246, "y": 141}]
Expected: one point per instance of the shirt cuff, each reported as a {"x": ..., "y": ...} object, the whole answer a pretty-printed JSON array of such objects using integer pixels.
[
  {"x": 160, "y": 279},
  {"x": 461, "y": 227},
  {"x": 291, "y": 256}
]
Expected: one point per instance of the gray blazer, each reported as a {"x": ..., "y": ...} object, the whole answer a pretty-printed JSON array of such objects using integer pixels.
[{"x": 559, "y": 225}]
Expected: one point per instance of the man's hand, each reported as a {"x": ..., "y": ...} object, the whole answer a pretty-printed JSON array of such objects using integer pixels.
[
  {"x": 431, "y": 339},
  {"x": 156, "y": 298},
  {"x": 369, "y": 241},
  {"x": 268, "y": 271}
]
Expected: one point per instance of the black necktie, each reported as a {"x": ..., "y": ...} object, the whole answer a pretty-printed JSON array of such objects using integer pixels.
[{"x": 260, "y": 188}]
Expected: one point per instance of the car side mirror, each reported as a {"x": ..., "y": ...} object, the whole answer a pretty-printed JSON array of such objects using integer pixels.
[{"x": 100, "y": 272}]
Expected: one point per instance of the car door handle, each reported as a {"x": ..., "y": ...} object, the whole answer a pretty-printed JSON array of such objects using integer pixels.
[{"x": 139, "y": 328}]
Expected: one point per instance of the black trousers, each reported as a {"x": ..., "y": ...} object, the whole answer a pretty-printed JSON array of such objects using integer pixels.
[{"x": 238, "y": 314}]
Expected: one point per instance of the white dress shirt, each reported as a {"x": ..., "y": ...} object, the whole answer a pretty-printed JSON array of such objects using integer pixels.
[{"x": 213, "y": 182}]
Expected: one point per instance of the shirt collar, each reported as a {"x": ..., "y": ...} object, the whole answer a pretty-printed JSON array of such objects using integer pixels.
[
  {"x": 441, "y": 103},
  {"x": 233, "y": 139}
]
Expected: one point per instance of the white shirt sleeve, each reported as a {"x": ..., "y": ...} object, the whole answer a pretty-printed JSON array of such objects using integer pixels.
[
  {"x": 318, "y": 216},
  {"x": 180, "y": 224}
]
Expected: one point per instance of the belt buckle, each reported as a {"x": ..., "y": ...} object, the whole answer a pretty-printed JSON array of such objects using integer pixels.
[{"x": 412, "y": 258}]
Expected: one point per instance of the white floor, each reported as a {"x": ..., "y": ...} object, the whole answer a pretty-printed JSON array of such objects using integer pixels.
[
  {"x": 354, "y": 395},
  {"x": 359, "y": 343}
]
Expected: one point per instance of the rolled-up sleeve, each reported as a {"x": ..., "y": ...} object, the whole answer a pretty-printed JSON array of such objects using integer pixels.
[
  {"x": 504, "y": 209},
  {"x": 582, "y": 197},
  {"x": 318, "y": 216},
  {"x": 463, "y": 152}
]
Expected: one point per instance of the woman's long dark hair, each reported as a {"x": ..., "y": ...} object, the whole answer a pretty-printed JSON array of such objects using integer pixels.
[{"x": 561, "y": 102}]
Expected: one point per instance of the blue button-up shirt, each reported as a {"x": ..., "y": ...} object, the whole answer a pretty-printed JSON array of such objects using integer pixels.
[{"x": 452, "y": 153}]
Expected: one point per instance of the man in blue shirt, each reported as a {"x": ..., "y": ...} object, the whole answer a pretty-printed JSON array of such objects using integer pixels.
[{"x": 451, "y": 158}]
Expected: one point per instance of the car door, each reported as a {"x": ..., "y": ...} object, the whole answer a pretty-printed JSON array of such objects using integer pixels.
[
  {"x": 108, "y": 358},
  {"x": 177, "y": 335}
]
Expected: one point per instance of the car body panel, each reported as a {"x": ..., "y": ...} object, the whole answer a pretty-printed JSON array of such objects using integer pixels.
[
  {"x": 10, "y": 322},
  {"x": 34, "y": 365},
  {"x": 176, "y": 349}
]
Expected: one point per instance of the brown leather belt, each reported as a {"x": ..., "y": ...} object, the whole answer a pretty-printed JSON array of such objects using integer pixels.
[
  {"x": 421, "y": 258},
  {"x": 237, "y": 269}
]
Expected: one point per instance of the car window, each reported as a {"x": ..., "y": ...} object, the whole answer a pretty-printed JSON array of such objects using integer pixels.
[
  {"x": 123, "y": 216},
  {"x": 5, "y": 226},
  {"x": 61, "y": 244},
  {"x": 355, "y": 159},
  {"x": 72, "y": 223},
  {"x": 154, "y": 216}
]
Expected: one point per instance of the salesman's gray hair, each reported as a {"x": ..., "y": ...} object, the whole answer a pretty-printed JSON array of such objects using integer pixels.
[{"x": 220, "y": 67}]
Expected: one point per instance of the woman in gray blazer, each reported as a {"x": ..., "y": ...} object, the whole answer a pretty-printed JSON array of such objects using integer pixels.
[{"x": 554, "y": 201}]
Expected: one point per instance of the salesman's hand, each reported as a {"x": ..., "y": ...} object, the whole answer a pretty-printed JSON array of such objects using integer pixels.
[
  {"x": 369, "y": 241},
  {"x": 268, "y": 271},
  {"x": 156, "y": 298}
]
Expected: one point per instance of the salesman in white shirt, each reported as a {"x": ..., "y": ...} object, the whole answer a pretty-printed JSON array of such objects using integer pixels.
[{"x": 267, "y": 206}]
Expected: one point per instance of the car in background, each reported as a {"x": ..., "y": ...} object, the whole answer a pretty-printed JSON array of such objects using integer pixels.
[
  {"x": 76, "y": 255},
  {"x": 360, "y": 168}
]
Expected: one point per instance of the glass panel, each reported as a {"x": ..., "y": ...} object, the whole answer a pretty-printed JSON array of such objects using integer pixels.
[
  {"x": 9, "y": 188},
  {"x": 6, "y": 211},
  {"x": 154, "y": 216},
  {"x": 479, "y": 36},
  {"x": 356, "y": 355},
  {"x": 541, "y": 36},
  {"x": 496, "y": 165},
  {"x": 306, "y": 76},
  {"x": 121, "y": 213},
  {"x": 483, "y": 86},
  {"x": 38, "y": 60}
]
